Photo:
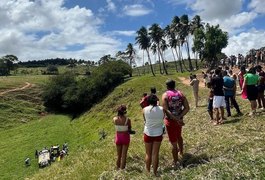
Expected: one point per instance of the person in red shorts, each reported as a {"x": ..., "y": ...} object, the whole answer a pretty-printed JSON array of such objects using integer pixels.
[
  {"x": 153, "y": 132},
  {"x": 175, "y": 106},
  {"x": 122, "y": 138}
]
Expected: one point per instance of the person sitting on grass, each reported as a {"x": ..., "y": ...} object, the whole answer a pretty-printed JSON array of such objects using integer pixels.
[
  {"x": 122, "y": 138},
  {"x": 153, "y": 133}
]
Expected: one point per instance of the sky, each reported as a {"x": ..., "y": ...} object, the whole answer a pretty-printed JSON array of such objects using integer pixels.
[{"x": 90, "y": 29}]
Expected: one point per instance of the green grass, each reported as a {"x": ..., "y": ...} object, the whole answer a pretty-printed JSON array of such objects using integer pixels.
[
  {"x": 21, "y": 106},
  {"x": 234, "y": 150}
]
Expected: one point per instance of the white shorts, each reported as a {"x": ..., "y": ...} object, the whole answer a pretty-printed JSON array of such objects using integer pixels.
[{"x": 218, "y": 101}]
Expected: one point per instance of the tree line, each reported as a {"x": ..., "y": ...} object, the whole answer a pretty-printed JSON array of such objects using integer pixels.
[
  {"x": 73, "y": 94},
  {"x": 182, "y": 34}
]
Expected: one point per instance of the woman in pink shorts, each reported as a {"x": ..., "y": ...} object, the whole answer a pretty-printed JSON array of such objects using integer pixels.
[{"x": 122, "y": 138}]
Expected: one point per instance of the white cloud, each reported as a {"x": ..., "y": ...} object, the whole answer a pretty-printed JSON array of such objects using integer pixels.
[
  {"x": 31, "y": 30},
  {"x": 136, "y": 10},
  {"x": 123, "y": 33},
  {"x": 111, "y": 6},
  {"x": 178, "y": 2},
  {"x": 258, "y": 6},
  {"x": 217, "y": 9},
  {"x": 235, "y": 22},
  {"x": 245, "y": 41}
]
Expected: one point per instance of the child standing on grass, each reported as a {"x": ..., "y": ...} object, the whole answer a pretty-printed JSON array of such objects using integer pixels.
[{"x": 122, "y": 138}]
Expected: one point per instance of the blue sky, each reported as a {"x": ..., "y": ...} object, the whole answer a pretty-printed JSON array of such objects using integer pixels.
[{"x": 90, "y": 29}]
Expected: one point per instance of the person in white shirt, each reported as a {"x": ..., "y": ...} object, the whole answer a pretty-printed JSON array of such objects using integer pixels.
[{"x": 153, "y": 132}]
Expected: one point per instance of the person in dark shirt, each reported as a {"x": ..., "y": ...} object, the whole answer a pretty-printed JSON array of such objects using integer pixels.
[{"x": 217, "y": 83}]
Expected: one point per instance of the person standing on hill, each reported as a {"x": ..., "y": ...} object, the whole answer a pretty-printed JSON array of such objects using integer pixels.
[
  {"x": 261, "y": 87},
  {"x": 153, "y": 132},
  {"x": 251, "y": 80},
  {"x": 122, "y": 138},
  {"x": 218, "y": 98},
  {"x": 230, "y": 92},
  {"x": 195, "y": 87},
  {"x": 144, "y": 101},
  {"x": 175, "y": 106}
]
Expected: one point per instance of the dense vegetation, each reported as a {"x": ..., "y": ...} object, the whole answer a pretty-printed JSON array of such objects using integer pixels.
[{"x": 72, "y": 94}]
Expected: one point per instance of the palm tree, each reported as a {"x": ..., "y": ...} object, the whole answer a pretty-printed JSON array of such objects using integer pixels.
[
  {"x": 175, "y": 39},
  {"x": 130, "y": 51},
  {"x": 143, "y": 40},
  {"x": 184, "y": 36},
  {"x": 196, "y": 24},
  {"x": 154, "y": 51},
  {"x": 156, "y": 33},
  {"x": 172, "y": 42}
]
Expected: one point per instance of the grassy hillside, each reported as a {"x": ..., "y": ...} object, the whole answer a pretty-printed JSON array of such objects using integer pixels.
[{"x": 232, "y": 150}]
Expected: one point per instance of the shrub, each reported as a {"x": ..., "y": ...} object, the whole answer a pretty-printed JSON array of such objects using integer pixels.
[{"x": 66, "y": 93}]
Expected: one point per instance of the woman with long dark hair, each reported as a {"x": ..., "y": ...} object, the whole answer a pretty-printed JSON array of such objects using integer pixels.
[
  {"x": 122, "y": 138},
  {"x": 153, "y": 132}
]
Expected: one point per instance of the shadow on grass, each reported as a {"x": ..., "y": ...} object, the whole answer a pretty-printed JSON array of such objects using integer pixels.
[
  {"x": 231, "y": 121},
  {"x": 190, "y": 160}
]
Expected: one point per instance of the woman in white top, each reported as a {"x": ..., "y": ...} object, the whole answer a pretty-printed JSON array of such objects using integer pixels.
[{"x": 153, "y": 132}]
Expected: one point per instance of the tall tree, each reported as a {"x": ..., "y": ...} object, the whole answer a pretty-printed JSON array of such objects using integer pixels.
[
  {"x": 197, "y": 24},
  {"x": 174, "y": 39},
  {"x": 144, "y": 42},
  {"x": 172, "y": 42},
  {"x": 184, "y": 36},
  {"x": 154, "y": 51},
  {"x": 156, "y": 33},
  {"x": 198, "y": 43},
  {"x": 7, "y": 64},
  {"x": 215, "y": 41}
]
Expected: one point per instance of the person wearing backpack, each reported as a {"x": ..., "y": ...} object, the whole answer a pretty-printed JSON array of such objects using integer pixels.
[{"x": 175, "y": 106}]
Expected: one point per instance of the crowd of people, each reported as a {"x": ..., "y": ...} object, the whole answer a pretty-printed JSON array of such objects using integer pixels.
[
  {"x": 157, "y": 118},
  {"x": 222, "y": 84}
]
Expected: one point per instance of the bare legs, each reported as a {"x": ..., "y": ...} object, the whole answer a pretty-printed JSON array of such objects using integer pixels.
[
  {"x": 122, "y": 155},
  {"x": 219, "y": 119},
  {"x": 253, "y": 104},
  {"x": 177, "y": 147},
  {"x": 152, "y": 156}
]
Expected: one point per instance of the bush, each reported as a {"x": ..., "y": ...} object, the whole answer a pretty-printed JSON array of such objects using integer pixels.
[
  {"x": 66, "y": 93},
  {"x": 51, "y": 69}
]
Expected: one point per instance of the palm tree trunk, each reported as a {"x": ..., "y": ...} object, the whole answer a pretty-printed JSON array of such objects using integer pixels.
[
  {"x": 163, "y": 62},
  {"x": 150, "y": 62},
  {"x": 159, "y": 62},
  {"x": 179, "y": 59},
  {"x": 188, "y": 52},
  {"x": 143, "y": 64},
  {"x": 176, "y": 66}
]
